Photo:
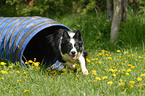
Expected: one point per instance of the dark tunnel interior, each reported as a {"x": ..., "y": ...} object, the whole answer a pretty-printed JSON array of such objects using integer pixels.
[{"x": 39, "y": 47}]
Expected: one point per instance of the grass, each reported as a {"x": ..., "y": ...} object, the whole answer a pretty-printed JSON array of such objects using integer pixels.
[
  {"x": 110, "y": 73},
  {"x": 114, "y": 69}
]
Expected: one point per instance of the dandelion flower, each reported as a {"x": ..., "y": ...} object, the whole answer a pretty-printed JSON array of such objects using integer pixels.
[
  {"x": 114, "y": 75},
  {"x": 18, "y": 72},
  {"x": 88, "y": 60},
  {"x": 143, "y": 75},
  {"x": 105, "y": 77},
  {"x": 123, "y": 92},
  {"x": 4, "y": 72},
  {"x": 122, "y": 84},
  {"x": 1, "y": 78},
  {"x": 27, "y": 91},
  {"x": 110, "y": 82},
  {"x": 3, "y": 63},
  {"x": 126, "y": 52},
  {"x": 109, "y": 58},
  {"x": 131, "y": 82},
  {"x": 120, "y": 80},
  {"x": 98, "y": 78},
  {"x": 127, "y": 73},
  {"x": 94, "y": 72},
  {"x": 36, "y": 64},
  {"x": 118, "y": 51},
  {"x": 132, "y": 67},
  {"x": 139, "y": 57},
  {"x": 139, "y": 79},
  {"x": 10, "y": 66},
  {"x": 128, "y": 70},
  {"x": 112, "y": 70},
  {"x": 30, "y": 61}
]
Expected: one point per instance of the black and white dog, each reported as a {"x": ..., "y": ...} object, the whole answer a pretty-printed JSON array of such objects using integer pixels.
[{"x": 68, "y": 47}]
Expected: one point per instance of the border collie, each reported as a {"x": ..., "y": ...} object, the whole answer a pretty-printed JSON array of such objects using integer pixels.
[{"x": 68, "y": 48}]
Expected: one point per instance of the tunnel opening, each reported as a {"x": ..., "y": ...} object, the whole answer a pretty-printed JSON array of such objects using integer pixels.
[{"x": 39, "y": 47}]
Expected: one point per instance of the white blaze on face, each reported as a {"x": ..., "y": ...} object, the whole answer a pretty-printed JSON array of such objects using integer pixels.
[{"x": 72, "y": 41}]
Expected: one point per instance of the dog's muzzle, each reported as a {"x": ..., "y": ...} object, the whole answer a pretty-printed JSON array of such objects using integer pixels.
[{"x": 73, "y": 54}]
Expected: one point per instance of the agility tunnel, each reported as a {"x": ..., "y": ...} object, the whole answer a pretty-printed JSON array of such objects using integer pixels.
[{"x": 24, "y": 38}]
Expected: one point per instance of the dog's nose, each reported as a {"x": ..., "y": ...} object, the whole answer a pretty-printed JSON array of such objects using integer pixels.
[{"x": 73, "y": 52}]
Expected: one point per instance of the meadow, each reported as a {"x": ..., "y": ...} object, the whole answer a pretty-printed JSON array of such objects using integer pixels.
[{"x": 114, "y": 68}]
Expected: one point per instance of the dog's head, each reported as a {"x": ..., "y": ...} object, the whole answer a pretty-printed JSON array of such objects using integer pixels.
[{"x": 72, "y": 44}]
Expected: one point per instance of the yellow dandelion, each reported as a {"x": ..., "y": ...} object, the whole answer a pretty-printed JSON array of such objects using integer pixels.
[
  {"x": 139, "y": 79},
  {"x": 3, "y": 63},
  {"x": 142, "y": 75},
  {"x": 132, "y": 67},
  {"x": 38, "y": 68},
  {"x": 26, "y": 62},
  {"x": 94, "y": 80},
  {"x": 129, "y": 65},
  {"x": 114, "y": 67},
  {"x": 127, "y": 73},
  {"x": 36, "y": 63},
  {"x": 94, "y": 72},
  {"x": 25, "y": 72},
  {"x": 4, "y": 72},
  {"x": 96, "y": 58},
  {"x": 88, "y": 60},
  {"x": 27, "y": 91},
  {"x": 110, "y": 82},
  {"x": 76, "y": 78},
  {"x": 112, "y": 70},
  {"x": 93, "y": 59},
  {"x": 10, "y": 66},
  {"x": 110, "y": 58},
  {"x": 1, "y": 78},
  {"x": 114, "y": 75},
  {"x": 139, "y": 57},
  {"x": 123, "y": 92},
  {"x": 105, "y": 77},
  {"x": 121, "y": 84},
  {"x": 120, "y": 80},
  {"x": 98, "y": 78},
  {"x": 131, "y": 82},
  {"x": 18, "y": 72},
  {"x": 128, "y": 70},
  {"x": 123, "y": 70},
  {"x": 30, "y": 61},
  {"x": 118, "y": 51},
  {"x": 139, "y": 90},
  {"x": 99, "y": 53},
  {"x": 126, "y": 52},
  {"x": 26, "y": 76},
  {"x": 131, "y": 85}
]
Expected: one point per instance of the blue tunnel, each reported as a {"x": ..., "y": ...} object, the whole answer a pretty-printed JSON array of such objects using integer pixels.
[{"x": 24, "y": 38}]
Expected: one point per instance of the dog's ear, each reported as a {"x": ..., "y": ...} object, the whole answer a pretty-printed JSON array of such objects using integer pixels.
[
  {"x": 78, "y": 35},
  {"x": 65, "y": 34}
]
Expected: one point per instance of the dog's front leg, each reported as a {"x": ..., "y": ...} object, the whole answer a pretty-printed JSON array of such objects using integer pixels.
[{"x": 82, "y": 64}]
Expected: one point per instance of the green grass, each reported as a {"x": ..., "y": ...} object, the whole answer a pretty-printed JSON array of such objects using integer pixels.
[
  {"x": 125, "y": 70},
  {"x": 101, "y": 63}
]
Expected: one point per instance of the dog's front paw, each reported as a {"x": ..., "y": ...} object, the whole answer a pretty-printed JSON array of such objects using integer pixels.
[{"x": 85, "y": 72}]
